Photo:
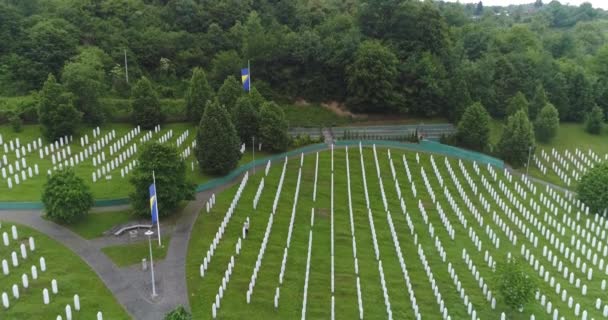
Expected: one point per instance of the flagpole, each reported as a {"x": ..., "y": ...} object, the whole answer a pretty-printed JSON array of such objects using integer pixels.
[
  {"x": 157, "y": 213},
  {"x": 249, "y": 69}
]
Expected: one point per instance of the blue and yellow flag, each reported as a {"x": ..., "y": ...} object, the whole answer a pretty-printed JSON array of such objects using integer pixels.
[
  {"x": 245, "y": 79},
  {"x": 153, "y": 203}
]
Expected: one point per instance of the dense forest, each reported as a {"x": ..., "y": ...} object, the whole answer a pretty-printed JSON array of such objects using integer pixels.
[{"x": 410, "y": 57}]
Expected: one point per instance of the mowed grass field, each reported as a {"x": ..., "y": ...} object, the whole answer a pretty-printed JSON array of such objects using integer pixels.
[
  {"x": 117, "y": 187},
  {"x": 202, "y": 291},
  {"x": 73, "y": 276}
]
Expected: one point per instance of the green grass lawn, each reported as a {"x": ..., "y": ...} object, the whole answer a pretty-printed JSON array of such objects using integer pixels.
[
  {"x": 73, "y": 276},
  {"x": 117, "y": 187},
  {"x": 202, "y": 291},
  {"x": 129, "y": 254},
  {"x": 94, "y": 225}
]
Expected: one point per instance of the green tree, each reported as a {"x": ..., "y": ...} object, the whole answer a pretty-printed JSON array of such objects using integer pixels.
[
  {"x": 178, "y": 313},
  {"x": 595, "y": 120},
  {"x": 257, "y": 100},
  {"x": 479, "y": 9},
  {"x": 66, "y": 197},
  {"x": 223, "y": 65},
  {"x": 199, "y": 93},
  {"x": 145, "y": 105},
  {"x": 273, "y": 128},
  {"x": 56, "y": 113},
  {"x": 592, "y": 189},
  {"x": 48, "y": 44},
  {"x": 547, "y": 123},
  {"x": 516, "y": 103},
  {"x": 170, "y": 173},
  {"x": 371, "y": 79},
  {"x": 217, "y": 142},
  {"x": 515, "y": 286},
  {"x": 84, "y": 76},
  {"x": 517, "y": 139},
  {"x": 246, "y": 119},
  {"x": 229, "y": 93},
  {"x": 474, "y": 128},
  {"x": 538, "y": 102}
]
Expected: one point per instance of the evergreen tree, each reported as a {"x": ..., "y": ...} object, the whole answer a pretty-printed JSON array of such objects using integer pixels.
[
  {"x": 199, "y": 93},
  {"x": 56, "y": 113},
  {"x": 229, "y": 93},
  {"x": 66, "y": 197},
  {"x": 479, "y": 9},
  {"x": 517, "y": 139},
  {"x": 547, "y": 123},
  {"x": 217, "y": 142},
  {"x": 145, "y": 105},
  {"x": 516, "y": 103},
  {"x": 595, "y": 120},
  {"x": 538, "y": 102},
  {"x": 474, "y": 128},
  {"x": 273, "y": 128},
  {"x": 84, "y": 77},
  {"x": 256, "y": 98},
  {"x": 170, "y": 173},
  {"x": 246, "y": 118}
]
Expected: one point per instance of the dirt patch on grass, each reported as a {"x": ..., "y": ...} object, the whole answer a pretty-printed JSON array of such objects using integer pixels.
[
  {"x": 322, "y": 212},
  {"x": 340, "y": 109}
]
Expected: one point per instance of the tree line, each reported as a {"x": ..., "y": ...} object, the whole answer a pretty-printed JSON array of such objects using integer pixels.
[{"x": 376, "y": 56}]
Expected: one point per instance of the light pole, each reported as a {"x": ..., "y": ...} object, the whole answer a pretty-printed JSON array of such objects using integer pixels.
[
  {"x": 528, "y": 166},
  {"x": 149, "y": 233}
]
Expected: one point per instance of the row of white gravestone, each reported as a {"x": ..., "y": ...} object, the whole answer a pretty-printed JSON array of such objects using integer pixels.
[
  {"x": 182, "y": 137},
  {"x": 435, "y": 287},
  {"x": 220, "y": 232},
  {"x": 258, "y": 262},
  {"x": 307, "y": 274},
  {"x": 185, "y": 153},
  {"x": 124, "y": 140},
  {"x": 353, "y": 238},
  {"x": 166, "y": 136},
  {"x": 258, "y": 194},
  {"x": 117, "y": 160},
  {"x": 275, "y": 203},
  {"x": 262, "y": 250},
  {"x": 476, "y": 273},
  {"x": 210, "y": 203},
  {"x": 290, "y": 230},
  {"x": 222, "y": 288}
]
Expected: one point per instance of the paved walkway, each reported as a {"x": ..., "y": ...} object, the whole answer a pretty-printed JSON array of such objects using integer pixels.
[{"x": 131, "y": 286}]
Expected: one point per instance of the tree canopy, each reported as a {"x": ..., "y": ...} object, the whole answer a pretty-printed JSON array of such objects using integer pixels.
[
  {"x": 66, "y": 197},
  {"x": 170, "y": 173},
  {"x": 420, "y": 58},
  {"x": 547, "y": 123},
  {"x": 473, "y": 130},
  {"x": 517, "y": 139},
  {"x": 145, "y": 105},
  {"x": 217, "y": 142},
  {"x": 198, "y": 94},
  {"x": 56, "y": 112},
  {"x": 592, "y": 189}
]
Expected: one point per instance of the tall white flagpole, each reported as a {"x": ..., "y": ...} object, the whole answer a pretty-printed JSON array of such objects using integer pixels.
[{"x": 157, "y": 213}]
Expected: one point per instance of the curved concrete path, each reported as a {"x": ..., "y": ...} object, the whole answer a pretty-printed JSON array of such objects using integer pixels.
[{"x": 131, "y": 286}]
